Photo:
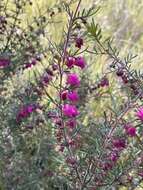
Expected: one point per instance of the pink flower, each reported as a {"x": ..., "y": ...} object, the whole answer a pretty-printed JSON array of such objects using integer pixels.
[
  {"x": 70, "y": 110},
  {"x": 46, "y": 79},
  {"x": 119, "y": 143},
  {"x": 114, "y": 156},
  {"x": 139, "y": 113},
  {"x": 104, "y": 82},
  {"x": 25, "y": 111},
  {"x": 30, "y": 108},
  {"x": 73, "y": 96},
  {"x": 119, "y": 72},
  {"x": 28, "y": 65},
  {"x": 73, "y": 80},
  {"x": 71, "y": 123},
  {"x": 130, "y": 130},
  {"x": 78, "y": 42},
  {"x": 80, "y": 62},
  {"x": 70, "y": 62},
  {"x": 125, "y": 79},
  {"x": 71, "y": 142},
  {"x": 64, "y": 95},
  {"x": 4, "y": 62}
]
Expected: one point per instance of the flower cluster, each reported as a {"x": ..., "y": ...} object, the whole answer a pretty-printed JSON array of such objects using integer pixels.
[
  {"x": 73, "y": 80},
  {"x": 130, "y": 130},
  {"x": 104, "y": 82},
  {"x": 75, "y": 61},
  {"x": 69, "y": 109},
  {"x": 120, "y": 143},
  {"x": 117, "y": 144},
  {"x": 44, "y": 80},
  {"x": 78, "y": 42},
  {"x": 25, "y": 111},
  {"x": 69, "y": 99}
]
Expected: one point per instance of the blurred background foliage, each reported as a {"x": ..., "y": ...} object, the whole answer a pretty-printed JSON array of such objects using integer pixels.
[{"x": 121, "y": 19}]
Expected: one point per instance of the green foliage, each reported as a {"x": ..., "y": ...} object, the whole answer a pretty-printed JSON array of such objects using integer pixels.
[
  {"x": 94, "y": 30},
  {"x": 29, "y": 156}
]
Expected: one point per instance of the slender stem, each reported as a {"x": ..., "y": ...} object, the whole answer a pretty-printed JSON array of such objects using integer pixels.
[
  {"x": 12, "y": 29},
  {"x": 61, "y": 65}
]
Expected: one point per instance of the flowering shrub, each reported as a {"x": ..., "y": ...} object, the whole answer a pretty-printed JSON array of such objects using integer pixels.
[{"x": 51, "y": 137}]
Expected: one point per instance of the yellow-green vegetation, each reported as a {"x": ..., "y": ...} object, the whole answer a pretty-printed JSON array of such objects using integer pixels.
[{"x": 120, "y": 19}]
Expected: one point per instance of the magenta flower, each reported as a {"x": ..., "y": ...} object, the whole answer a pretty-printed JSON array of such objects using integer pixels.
[
  {"x": 139, "y": 114},
  {"x": 70, "y": 62},
  {"x": 104, "y": 82},
  {"x": 73, "y": 80},
  {"x": 4, "y": 62},
  {"x": 78, "y": 42},
  {"x": 21, "y": 114},
  {"x": 25, "y": 111},
  {"x": 30, "y": 108},
  {"x": 73, "y": 96},
  {"x": 119, "y": 143},
  {"x": 130, "y": 130},
  {"x": 124, "y": 79},
  {"x": 46, "y": 79},
  {"x": 70, "y": 110},
  {"x": 119, "y": 72},
  {"x": 80, "y": 62},
  {"x": 114, "y": 156},
  {"x": 64, "y": 95},
  {"x": 28, "y": 65},
  {"x": 71, "y": 123}
]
